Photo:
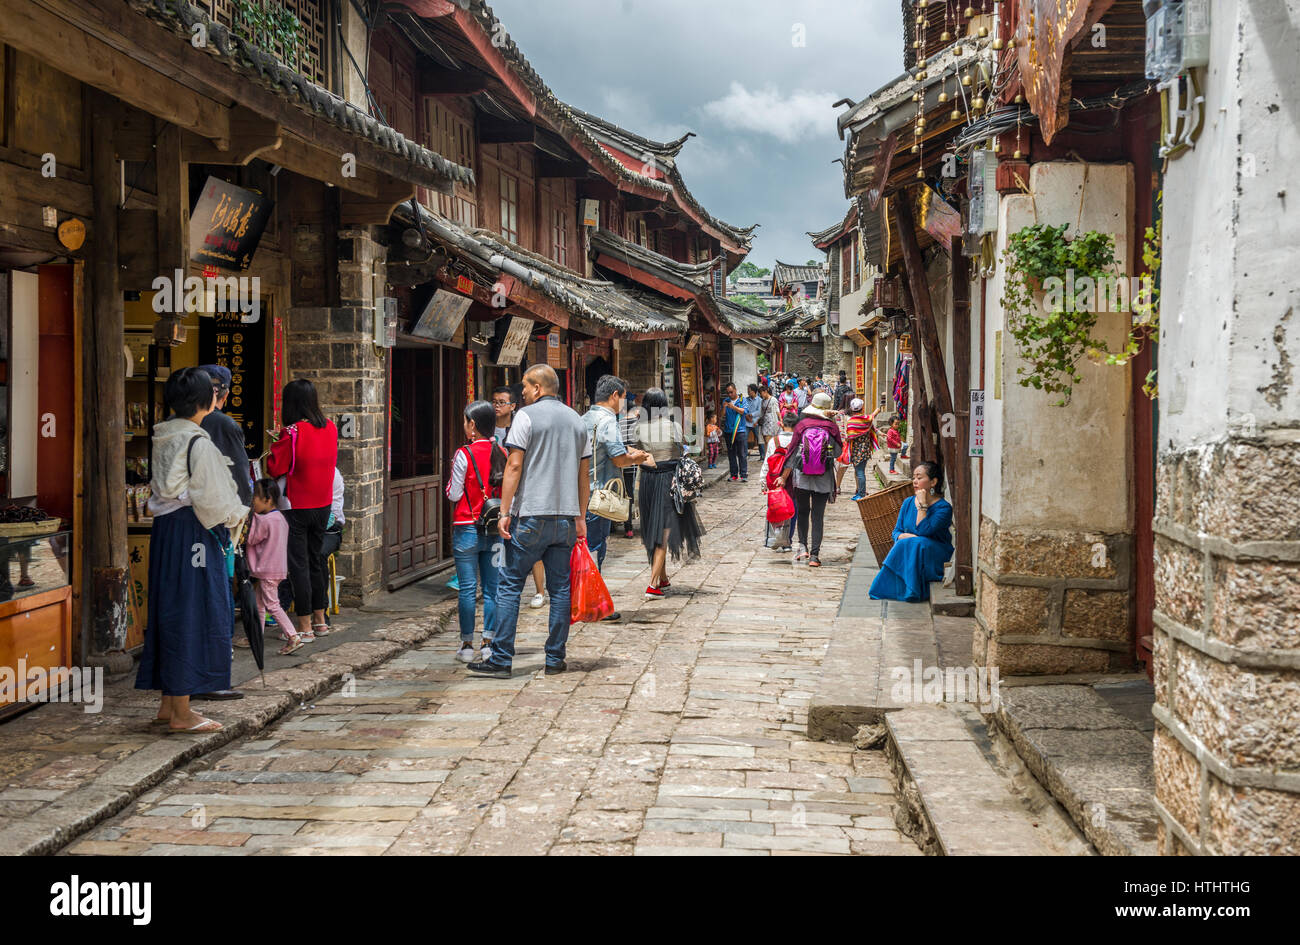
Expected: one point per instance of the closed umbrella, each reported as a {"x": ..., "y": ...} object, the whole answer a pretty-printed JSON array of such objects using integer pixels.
[{"x": 246, "y": 597}]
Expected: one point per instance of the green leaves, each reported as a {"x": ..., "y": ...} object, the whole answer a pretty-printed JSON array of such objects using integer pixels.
[{"x": 1053, "y": 339}]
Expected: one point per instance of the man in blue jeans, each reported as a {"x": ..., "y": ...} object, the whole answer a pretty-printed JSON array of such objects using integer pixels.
[
  {"x": 735, "y": 435},
  {"x": 543, "y": 499}
]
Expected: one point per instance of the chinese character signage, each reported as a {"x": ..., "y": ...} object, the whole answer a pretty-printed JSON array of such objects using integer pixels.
[
  {"x": 226, "y": 340},
  {"x": 977, "y": 423},
  {"x": 226, "y": 225},
  {"x": 442, "y": 316},
  {"x": 515, "y": 342}
]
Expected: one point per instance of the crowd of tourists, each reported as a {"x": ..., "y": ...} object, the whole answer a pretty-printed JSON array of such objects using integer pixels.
[{"x": 533, "y": 479}]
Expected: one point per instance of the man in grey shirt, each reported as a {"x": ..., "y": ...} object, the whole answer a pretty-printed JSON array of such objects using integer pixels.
[{"x": 543, "y": 513}]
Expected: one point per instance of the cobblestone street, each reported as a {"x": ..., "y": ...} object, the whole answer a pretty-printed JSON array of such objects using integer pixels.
[{"x": 680, "y": 729}]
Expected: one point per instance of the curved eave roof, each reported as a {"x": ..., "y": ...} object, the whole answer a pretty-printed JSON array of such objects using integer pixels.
[
  {"x": 824, "y": 238},
  {"x": 237, "y": 53}
]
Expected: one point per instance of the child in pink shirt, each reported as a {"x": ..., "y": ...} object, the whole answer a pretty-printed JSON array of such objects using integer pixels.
[{"x": 268, "y": 542}]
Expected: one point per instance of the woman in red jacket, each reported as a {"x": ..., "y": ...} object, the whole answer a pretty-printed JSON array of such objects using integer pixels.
[
  {"x": 476, "y": 473},
  {"x": 306, "y": 454}
]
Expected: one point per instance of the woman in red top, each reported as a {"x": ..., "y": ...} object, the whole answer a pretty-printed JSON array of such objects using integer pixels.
[
  {"x": 474, "y": 470},
  {"x": 305, "y": 454}
]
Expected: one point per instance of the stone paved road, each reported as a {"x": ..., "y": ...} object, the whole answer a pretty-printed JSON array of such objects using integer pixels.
[{"x": 679, "y": 730}]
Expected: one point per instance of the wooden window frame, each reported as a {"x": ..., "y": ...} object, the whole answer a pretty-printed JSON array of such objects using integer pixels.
[{"x": 509, "y": 199}]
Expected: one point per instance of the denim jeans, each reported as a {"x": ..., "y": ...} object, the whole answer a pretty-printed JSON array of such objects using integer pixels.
[
  {"x": 598, "y": 530},
  {"x": 893, "y": 459},
  {"x": 860, "y": 473},
  {"x": 475, "y": 555},
  {"x": 548, "y": 539},
  {"x": 737, "y": 453}
]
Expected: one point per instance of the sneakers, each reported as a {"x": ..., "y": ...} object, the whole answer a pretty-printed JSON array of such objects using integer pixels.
[
  {"x": 538, "y": 601},
  {"x": 629, "y": 534},
  {"x": 481, "y": 668},
  {"x": 653, "y": 593},
  {"x": 733, "y": 479},
  {"x": 614, "y": 617},
  {"x": 466, "y": 652},
  {"x": 485, "y": 651}
]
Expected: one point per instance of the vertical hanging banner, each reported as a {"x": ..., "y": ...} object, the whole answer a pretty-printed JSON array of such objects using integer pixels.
[
  {"x": 469, "y": 377},
  {"x": 227, "y": 340},
  {"x": 976, "y": 447}
]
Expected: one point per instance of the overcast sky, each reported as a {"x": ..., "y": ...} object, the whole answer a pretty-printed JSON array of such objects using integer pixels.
[{"x": 754, "y": 79}]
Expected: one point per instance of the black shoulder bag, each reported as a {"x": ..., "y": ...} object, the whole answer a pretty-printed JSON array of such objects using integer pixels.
[{"x": 490, "y": 513}]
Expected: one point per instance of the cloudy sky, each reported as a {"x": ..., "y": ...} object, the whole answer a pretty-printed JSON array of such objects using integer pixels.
[{"x": 754, "y": 79}]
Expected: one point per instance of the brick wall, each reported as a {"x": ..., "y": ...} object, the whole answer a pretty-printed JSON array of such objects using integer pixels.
[{"x": 332, "y": 347}]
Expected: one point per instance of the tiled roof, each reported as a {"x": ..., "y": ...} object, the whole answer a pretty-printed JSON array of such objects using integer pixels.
[
  {"x": 741, "y": 319},
  {"x": 691, "y": 276},
  {"x": 786, "y": 273},
  {"x": 665, "y": 155},
  {"x": 824, "y": 238},
  {"x": 237, "y": 53},
  {"x": 596, "y": 300}
]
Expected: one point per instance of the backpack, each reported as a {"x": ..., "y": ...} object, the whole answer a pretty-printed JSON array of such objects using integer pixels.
[
  {"x": 490, "y": 511},
  {"x": 688, "y": 483},
  {"x": 817, "y": 449},
  {"x": 774, "y": 463}
]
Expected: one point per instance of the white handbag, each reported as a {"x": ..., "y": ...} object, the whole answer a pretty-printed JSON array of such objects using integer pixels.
[{"x": 611, "y": 502}]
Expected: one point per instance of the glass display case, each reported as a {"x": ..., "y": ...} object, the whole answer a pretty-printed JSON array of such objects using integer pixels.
[
  {"x": 33, "y": 564},
  {"x": 35, "y": 609}
]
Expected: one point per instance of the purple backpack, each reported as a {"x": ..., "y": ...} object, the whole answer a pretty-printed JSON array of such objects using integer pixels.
[{"x": 814, "y": 447}]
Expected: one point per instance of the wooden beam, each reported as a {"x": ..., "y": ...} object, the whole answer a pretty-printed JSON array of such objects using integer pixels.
[
  {"x": 173, "y": 202},
  {"x": 29, "y": 27},
  {"x": 358, "y": 209},
  {"x": 644, "y": 278},
  {"x": 553, "y": 167},
  {"x": 251, "y": 136},
  {"x": 499, "y": 131},
  {"x": 960, "y": 472},
  {"x": 489, "y": 50},
  {"x": 104, "y": 403},
  {"x": 305, "y": 158},
  {"x": 436, "y": 80}
]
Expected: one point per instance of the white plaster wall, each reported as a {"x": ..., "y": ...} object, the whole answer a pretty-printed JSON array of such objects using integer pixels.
[
  {"x": 850, "y": 303},
  {"x": 1061, "y": 467},
  {"x": 1229, "y": 337},
  {"x": 744, "y": 366}
]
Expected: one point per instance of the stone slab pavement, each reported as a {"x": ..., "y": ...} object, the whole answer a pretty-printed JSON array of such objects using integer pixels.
[{"x": 679, "y": 730}]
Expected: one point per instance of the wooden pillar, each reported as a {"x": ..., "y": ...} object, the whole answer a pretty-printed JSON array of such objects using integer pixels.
[
  {"x": 961, "y": 478},
  {"x": 923, "y": 435},
  {"x": 104, "y": 538},
  {"x": 173, "y": 202}
]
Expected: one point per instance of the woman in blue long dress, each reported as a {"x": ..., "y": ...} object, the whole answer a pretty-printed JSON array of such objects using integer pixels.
[
  {"x": 922, "y": 541},
  {"x": 194, "y": 503}
]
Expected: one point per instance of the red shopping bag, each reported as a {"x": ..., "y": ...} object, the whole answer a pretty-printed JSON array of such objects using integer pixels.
[
  {"x": 780, "y": 507},
  {"x": 589, "y": 599}
]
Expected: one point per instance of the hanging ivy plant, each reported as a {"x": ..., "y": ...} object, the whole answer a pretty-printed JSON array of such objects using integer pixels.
[
  {"x": 1146, "y": 311},
  {"x": 1055, "y": 337},
  {"x": 274, "y": 28}
]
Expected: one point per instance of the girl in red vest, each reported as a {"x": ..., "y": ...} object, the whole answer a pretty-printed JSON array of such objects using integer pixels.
[
  {"x": 306, "y": 453},
  {"x": 476, "y": 472}
]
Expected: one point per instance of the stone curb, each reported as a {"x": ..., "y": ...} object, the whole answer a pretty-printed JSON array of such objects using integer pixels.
[{"x": 50, "y": 829}]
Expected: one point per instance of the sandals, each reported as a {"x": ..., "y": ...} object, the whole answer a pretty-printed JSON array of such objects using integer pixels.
[
  {"x": 202, "y": 727},
  {"x": 242, "y": 642},
  {"x": 294, "y": 644},
  {"x": 814, "y": 561},
  {"x": 320, "y": 630}
]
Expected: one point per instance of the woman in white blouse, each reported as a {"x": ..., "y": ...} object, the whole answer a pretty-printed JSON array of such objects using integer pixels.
[{"x": 194, "y": 505}]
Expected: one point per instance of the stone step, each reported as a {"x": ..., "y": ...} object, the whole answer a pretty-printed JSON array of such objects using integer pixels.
[
  {"x": 902, "y": 470},
  {"x": 946, "y": 601},
  {"x": 1091, "y": 748},
  {"x": 955, "y": 797}
]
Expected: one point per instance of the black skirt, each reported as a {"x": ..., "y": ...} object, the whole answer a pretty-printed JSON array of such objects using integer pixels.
[{"x": 659, "y": 514}]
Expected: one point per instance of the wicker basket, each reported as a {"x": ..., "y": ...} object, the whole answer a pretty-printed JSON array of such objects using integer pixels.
[
  {"x": 27, "y": 529},
  {"x": 879, "y": 513}
]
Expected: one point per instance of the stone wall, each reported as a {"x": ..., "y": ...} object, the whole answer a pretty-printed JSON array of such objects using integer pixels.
[
  {"x": 1227, "y": 554},
  {"x": 1054, "y": 573},
  {"x": 1227, "y": 648},
  {"x": 332, "y": 347},
  {"x": 1052, "y": 601},
  {"x": 804, "y": 358}
]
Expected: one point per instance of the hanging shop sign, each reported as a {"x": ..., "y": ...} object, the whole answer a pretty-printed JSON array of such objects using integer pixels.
[
  {"x": 515, "y": 342},
  {"x": 859, "y": 373},
  {"x": 976, "y": 446},
  {"x": 554, "y": 353},
  {"x": 72, "y": 234},
  {"x": 442, "y": 317},
  {"x": 227, "y": 340},
  {"x": 469, "y": 376},
  {"x": 226, "y": 225},
  {"x": 939, "y": 218}
]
